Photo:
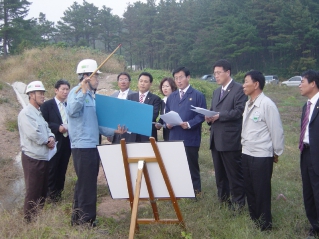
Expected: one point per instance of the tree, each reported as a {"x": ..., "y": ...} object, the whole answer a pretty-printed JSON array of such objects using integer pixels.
[{"x": 12, "y": 17}]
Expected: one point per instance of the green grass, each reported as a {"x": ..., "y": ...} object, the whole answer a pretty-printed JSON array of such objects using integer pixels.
[{"x": 205, "y": 218}]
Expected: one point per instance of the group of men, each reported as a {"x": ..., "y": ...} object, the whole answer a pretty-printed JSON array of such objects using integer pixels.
[{"x": 246, "y": 138}]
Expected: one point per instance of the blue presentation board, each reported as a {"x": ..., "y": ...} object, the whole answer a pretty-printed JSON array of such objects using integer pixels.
[{"x": 135, "y": 116}]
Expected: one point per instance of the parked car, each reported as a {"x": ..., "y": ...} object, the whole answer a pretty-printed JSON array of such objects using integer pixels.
[
  {"x": 293, "y": 81},
  {"x": 272, "y": 79},
  {"x": 209, "y": 77}
]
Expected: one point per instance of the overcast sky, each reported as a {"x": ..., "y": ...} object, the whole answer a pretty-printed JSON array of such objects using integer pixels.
[{"x": 53, "y": 9}]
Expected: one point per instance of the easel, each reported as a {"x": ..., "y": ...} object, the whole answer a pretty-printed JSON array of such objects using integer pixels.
[{"x": 134, "y": 198}]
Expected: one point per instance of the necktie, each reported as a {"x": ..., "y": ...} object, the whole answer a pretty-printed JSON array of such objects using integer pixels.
[
  {"x": 182, "y": 94},
  {"x": 141, "y": 98},
  {"x": 63, "y": 116},
  {"x": 305, "y": 122},
  {"x": 221, "y": 94}
]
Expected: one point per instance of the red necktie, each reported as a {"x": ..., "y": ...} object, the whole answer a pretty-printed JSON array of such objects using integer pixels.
[
  {"x": 305, "y": 122},
  {"x": 141, "y": 98}
]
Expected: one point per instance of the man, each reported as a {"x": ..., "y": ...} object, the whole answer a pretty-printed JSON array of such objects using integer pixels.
[
  {"x": 123, "y": 82},
  {"x": 309, "y": 150},
  {"x": 54, "y": 113},
  {"x": 262, "y": 141},
  {"x": 84, "y": 135},
  {"x": 189, "y": 130},
  {"x": 229, "y": 101},
  {"x": 144, "y": 96},
  {"x": 36, "y": 141}
]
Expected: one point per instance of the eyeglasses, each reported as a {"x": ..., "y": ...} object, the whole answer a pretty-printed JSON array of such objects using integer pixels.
[
  {"x": 123, "y": 80},
  {"x": 179, "y": 77},
  {"x": 217, "y": 73}
]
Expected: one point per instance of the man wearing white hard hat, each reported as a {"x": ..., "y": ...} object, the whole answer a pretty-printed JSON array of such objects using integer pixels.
[
  {"x": 36, "y": 141},
  {"x": 84, "y": 136}
]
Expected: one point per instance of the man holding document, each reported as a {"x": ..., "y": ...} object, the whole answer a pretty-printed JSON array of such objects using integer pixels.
[
  {"x": 188, "y": 128},
  {"x": 229, "y": 100}
]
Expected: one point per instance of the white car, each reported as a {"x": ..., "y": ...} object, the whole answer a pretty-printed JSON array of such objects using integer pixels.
[{"x": 293, "y": 81}]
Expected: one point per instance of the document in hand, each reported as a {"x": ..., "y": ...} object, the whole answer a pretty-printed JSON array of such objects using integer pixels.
[
  {"x": 205, "y": 112},
  {"x": 52, "y": 152},
  {"x": 172, "y": 118}
]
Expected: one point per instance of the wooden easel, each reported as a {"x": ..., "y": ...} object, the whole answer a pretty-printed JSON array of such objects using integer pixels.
[{"x": 134, "y": 198}]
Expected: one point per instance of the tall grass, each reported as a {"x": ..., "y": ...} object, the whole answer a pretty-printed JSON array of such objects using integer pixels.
[{"x": 205, "y": 218}]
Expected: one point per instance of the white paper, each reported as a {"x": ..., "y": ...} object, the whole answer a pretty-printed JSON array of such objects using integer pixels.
[
  {"x": 172, "y": 118},
  {"x": 205, "y": 112},
  {"x": 52, "y": 152}
]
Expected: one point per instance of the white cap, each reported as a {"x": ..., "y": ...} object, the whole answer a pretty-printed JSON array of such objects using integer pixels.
[
  {"x": 87, "y": 66},
  {"x": 34, "y": 86}
]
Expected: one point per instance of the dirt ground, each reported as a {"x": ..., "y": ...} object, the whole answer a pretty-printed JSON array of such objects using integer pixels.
[{"x": 10, "y": 147}]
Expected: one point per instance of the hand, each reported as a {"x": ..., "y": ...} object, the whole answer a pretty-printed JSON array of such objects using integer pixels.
[
  {"x": 120, "y": 130},
  {"x": 184, "y": 125},
  {"x": 208, "y": 119},
  {"x": 276, "y": 158},
  {"x": 109, "y": 138},
  {"x": 158, "y": 126},
  {"x": 169, "y": 126},
  {"x": 214, "y": 118},
  {"x": 51, "y": 143},
  {"x": 62, "y": 129},
  {"x": 85, "y": 84}
]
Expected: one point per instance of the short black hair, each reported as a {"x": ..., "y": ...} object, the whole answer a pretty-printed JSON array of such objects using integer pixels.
[
  {"x": 61, "y": 82},
  {"x": 182, "y": 68},
  {"x": 223, "y": 63},
  {"x": 311, "y": 75},
  {"x": 146, "y": 74},
  {"x": 257, "y": 76},
  {"x": 124, "y": 74}
]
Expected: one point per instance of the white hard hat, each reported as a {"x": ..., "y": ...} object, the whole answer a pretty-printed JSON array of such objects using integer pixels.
[
  {"x": 34, "y": 86},
  {"x": 87, "y": 66}
]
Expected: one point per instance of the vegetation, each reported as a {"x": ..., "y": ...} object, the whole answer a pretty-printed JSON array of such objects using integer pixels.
[
  {"x": 276, "y": 36},
  {"x": 205, "y": 218}
]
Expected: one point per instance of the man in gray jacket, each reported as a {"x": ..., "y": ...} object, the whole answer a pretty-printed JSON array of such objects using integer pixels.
[{"x": 262, "y": 141}]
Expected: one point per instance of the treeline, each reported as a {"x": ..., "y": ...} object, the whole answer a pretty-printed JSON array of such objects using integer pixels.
[{"x": 275, "y": 36}]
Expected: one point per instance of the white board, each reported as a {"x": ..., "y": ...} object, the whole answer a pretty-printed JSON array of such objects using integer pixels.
[{"x": 174, "y": 159}]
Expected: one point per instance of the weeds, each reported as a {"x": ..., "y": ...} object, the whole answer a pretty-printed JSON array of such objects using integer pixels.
[{"x": 11, "y": 125}]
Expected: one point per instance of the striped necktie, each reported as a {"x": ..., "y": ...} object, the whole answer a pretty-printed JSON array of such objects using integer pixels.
[
  {"x": 141, "y": 98},
  {"x": 63, "y": 116},
  {"x": 305, "y": 122}
]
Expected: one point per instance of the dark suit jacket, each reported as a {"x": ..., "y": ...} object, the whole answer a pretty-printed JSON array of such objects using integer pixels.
[
  {"x": 150, "y": 99},
  {"x": 52, "y": 116},
  {"x": 128, "y": 137},
  {"x": 165, "y": 130},
  {"x": 313, "y": 136},
  {"x": 192, "y": 136},
  {"x": 226, "y": 131}
]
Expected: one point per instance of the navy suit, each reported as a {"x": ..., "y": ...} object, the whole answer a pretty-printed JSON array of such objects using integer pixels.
[
  {"x": 150, "y": 99},
  {"x": 309, "y": 164},
  {"x": 59, "y": 162},
  {"x": 191, "y": 136},
  {"x": 117, "y": 137},
  {"x": 225, "y": 142}
]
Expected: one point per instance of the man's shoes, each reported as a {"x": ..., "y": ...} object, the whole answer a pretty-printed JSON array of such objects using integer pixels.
[{"x": 312, "y": 234}]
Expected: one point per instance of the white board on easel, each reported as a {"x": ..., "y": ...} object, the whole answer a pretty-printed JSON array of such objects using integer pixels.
[{"x": 174, "y": 159}]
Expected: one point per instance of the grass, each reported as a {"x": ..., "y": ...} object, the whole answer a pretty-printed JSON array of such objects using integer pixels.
[{"x": 205, "y": 218}]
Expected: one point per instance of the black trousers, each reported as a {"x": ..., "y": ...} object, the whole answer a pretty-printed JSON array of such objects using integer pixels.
[
  {"x": 310, "y": 189},
  {"x": 36, "y": 184},
  {"x": 192, "y": 158},
  {"x": 86, "y": 164},
  {"x": 257, "y": 178},
  {"x": 57, "y": 169},
  {"x": 229, "y": 176}
]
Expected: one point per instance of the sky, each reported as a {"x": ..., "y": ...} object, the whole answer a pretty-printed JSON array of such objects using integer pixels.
[{"x": 53, "y": 9}]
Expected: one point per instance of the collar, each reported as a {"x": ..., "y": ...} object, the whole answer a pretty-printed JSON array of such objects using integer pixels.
[
  {"x": 314, "y": 99},
  {"x": 145, "y": 94},
  {"x": 226, "y": 86},
  {"x": 185, "y": 90},
  {"x": 126, "y": 91},
  {"x": 58, "y": 102},
  {"x": 257, "y": 100}
]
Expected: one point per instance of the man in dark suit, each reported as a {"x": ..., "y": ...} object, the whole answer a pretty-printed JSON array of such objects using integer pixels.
[
  {"x": 189, "y": 130},
  {"x": 229, "y": 101},
  {"x": 123, "y": 82},
  {"x": 144, "y": 96},
  {"x": 308, "y": 145},
  {"x": 54, "y": 113}
]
